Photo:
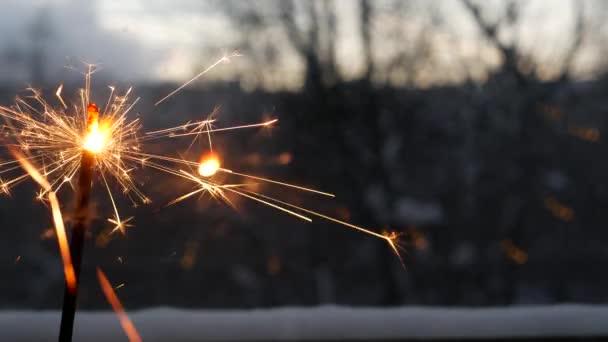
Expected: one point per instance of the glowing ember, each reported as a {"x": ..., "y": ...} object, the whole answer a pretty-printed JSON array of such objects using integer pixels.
[
  {"x": 96, "y": 137},
  {"x": 209, "y": 166}
]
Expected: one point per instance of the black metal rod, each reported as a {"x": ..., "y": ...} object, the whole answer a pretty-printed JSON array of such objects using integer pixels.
[{"x": 82, "y": 215}]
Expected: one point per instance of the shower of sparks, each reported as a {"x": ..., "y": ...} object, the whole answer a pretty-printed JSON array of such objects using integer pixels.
[
  {"x": 55, "y": 138},
  {"x": 125, "y": 322},
  {"x": 210, "y": 165}
]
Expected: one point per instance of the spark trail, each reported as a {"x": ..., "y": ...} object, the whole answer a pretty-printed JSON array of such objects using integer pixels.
[{"x": 125, "y": 322}]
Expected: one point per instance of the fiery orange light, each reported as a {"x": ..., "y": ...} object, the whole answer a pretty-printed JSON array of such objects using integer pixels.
[
  {"x": 62, "y": 240},
  {"x": 97, "y": 135},
  {"x": 513, "y": 252},
  {"x": 209, "y": 165},
  {"x": 125, "y": 322}
]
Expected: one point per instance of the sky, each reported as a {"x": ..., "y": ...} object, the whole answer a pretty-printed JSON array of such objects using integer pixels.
[{"x": 154, "y": 40}]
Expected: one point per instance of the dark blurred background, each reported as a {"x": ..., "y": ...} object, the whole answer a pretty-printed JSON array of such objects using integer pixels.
[{"x": 472, "y": 127}]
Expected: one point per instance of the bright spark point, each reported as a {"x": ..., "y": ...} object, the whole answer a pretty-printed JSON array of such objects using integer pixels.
[
  {"x": 4, "y": 187},
  {"x": 209, "y": 166},
  {"x": 96, "y": 137},
  {"x": 120, "y": 225}
]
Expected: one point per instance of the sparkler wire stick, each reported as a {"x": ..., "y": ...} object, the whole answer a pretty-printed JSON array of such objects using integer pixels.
[{"x": 83, "y": 196}]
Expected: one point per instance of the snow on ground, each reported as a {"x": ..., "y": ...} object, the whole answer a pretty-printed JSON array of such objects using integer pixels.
[{"x": 325, "y": 322}]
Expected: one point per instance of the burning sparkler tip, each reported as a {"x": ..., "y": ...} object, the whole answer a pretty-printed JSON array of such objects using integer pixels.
[
  {"x": 96, "y": 139},
  {"x": 209, "y": 165}
]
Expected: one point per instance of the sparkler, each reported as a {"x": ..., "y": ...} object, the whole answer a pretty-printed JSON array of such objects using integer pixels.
[
  {"x": 57, "y": 143},
  {"x": 123, "y": 148},
  {"x": 93, "y": 144},
  {"x": 66, "y": 142}
]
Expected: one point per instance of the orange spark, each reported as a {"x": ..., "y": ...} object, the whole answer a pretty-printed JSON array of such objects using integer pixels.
[
  {"x": 284, "y": 158},
  {"x": 125, "y": 322},
  {"x": 189, "y": 258},
  {"x": 418, "y": 239},
  {"x": 516, "y": 254},
  {"x": 62, "y": 240},
  {"x": 47, "y": 234},
  {"x": 559, "y": 210},
  {"x": 391, "y": 238},
  {"x": 585, "y": 133},
  {"x": 209, "y": 165}
]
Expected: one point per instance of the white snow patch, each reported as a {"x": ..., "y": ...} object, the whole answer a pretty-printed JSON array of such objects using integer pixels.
[{"x": 324, "y": 322}]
